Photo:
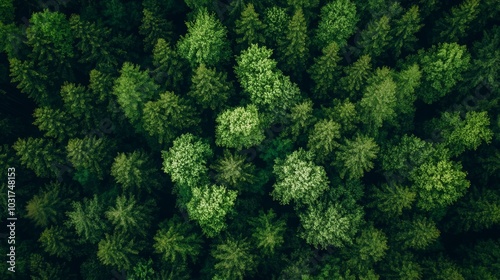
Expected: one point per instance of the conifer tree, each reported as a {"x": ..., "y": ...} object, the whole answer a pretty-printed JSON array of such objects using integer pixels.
[
  {"x": 40, "y": 155},
  {"x": 276, "y": 20},
  {"x": 175, "y": 241},
  {"x": 154, "y": 27},
  {"x": 326, "y": 69},
  {"x": 323, "y": 139},
  {"x": 418, "y": 233},
  {"x": 168, "y": 116},
  {"x": 268, "y": 232},
  {"x": 87, "y": 217},
  {"x": 55, "y": 123},
  {"x": 453, "y": 25},
  {"x": 210, "y": 88},
  {"x": 92, "y": 154},
  {"x": 31, "y": 81},
  {"x": 393, "y": 199},
  {"x": 375, "y": 39},
  {"x": 57, "y": 241},
  {"x": 356, "y": 76},
  {"x": 170, "y": 66},
  {"x": 404, "y": 30},
  {"x": 249, "y": 28},
  {"x": 205, "y": 42},
  {"x": 233, "y": 170},
  {"x": 45, "y": 207},
  {"x": 129, "y": 216},
  {"x": 356, "y": 156},
  {"x": 134, "y": 171},
  {"x": 118, "y": 250},
  {"x": 234, "y": 259},
  {"x": 294, "y": 50},
  {"x": 301, "y": 118}
]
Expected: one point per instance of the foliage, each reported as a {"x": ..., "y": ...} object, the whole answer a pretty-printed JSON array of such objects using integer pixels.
[
  {"x": 337, "y": 23},
  {"x": 129, "y": 216},
  {"x": 239, "y": 128},
  {"x": 233, "y": 259},
  {"x": 356, "y": 156},
  {"x": 210, "y": 88},
  {"x": 87, "y": 217},
  {"x": 268, "y": 232}
]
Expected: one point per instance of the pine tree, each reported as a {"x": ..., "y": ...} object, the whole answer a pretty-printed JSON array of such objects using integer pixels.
[
  {"x": 87, "y": 217},
  {"x": 234, "y": 259},
  {"x": 171, "y": 69},
  {"x": 418, "y": 233},
  {"x": 57, "y": 242},
  {"x": 375, "y": 39},
  {"x": 404, "y": 30},
  {"x": 268, "y": 232},
  {"x": 135, "y": 171},
  {"x": 325, "y": 70},
  {"x": 337, "y": 23},
  {"x": 454, "y": 25},
  {"x": 129, "y": 216},
  {"x": 356, "y": 76},
  {"x": 298, "y": 179},
  {"x": 233, "y": 170},
  {"x": 45, "y": 207},
  {"x": 356, "y": 156},
  {"x": 154, "y": 27},
  {"x": 392, "y": 199},
  {"x": 209, "y": 206},
  {"x": 92, "y": 154},
  {"x": 301, "y": 118},
  {"x": 40, "y": 155},
  {"x": 323, "y": 139},
  {"x": 239, "y": 128},
  {"x": 249, "y": 28},
  {"x": 55, "y": 123},
  {"x": 205, "y": 42},
  {"x": 210, "y": 88},
  {"x": 118, "y": 250},
  {"x": 168, "y": 116},
  {"x": 175, "y": 241},
  {"x": 294, "y": 48},
  {"x": 30, "y": 80},
  {"x": 276, "y": 20}
]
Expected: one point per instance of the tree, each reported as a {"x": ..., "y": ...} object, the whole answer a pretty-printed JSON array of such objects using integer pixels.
[
  {"x": 331, "y": 224},
  {"x": 129, "y": 216},
  {"x": 117, "y": 250},
  {"x": 453, "y": 25},
  {"x": 407, "y": 81},
  {"x": 379, "y": 100},
  {"x": 92, "y": 154},
  {"x": 323, "y": 138},
  {"x": 233, "y": 170},
  {"x": 87, "y": 217},
  {"x": 344, "y": 113},
  {"x": 50, "y": 36},
  {"x": 301, "y": 118},
  {"x": 7, "y": 11},
  {"x": 356, "y": 156},
  {"x": 175, "y": 241},
  {"x": 298, "y": 179},
  {"x": 133, "y": 89},
  {"x": 276, "y": 20},
  {"x": 249, "y": 28},
  {"x": 134, "y": 171},
  {"x": 210, "y": 88},
  {"x": 186, "y": 163},
  {"x": 57, "y": 241},
  {"x": 356, "y": 76},
  {"x": 209, "y": 206},
  {"x": 418, "y": 233},
  {"x": 404, "y": 30},
  {"x": 171, "y": 68},
  {"x": 294, "y": 48},
  {"x": 268, "y": 232},
  {"x": 168, "y": 116},
  {"x": 31, "y": 81},
  {"x": 45, "y": 207},
  {"x": 239, "y": 128},
  {"x": 55, "y": 123},
  {"x": 154, "y": 27},
  {"x": 233, "y": 259},
  {"x": 442, "y": 67},
  {"x": 402, "y": 266},
  {"x": 369, "y": 248},
  {"x": 205, "y": 42},
  {"x": 337, "y": 23},
  {"x": 40, "y": 155},
  {"x": 375, "y": 39},
  {"x": 392, "y": 199},
  {"x": 326, "y": 69},
  {"x": 439, "y": 184},
  {"x": 460, "y": 134},
  {"x": 78, "y": 101}
]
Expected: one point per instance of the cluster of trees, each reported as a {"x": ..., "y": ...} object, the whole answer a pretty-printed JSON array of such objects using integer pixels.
[{"x": 287, "y": 139}]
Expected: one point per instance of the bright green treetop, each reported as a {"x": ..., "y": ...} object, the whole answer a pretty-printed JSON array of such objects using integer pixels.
[
  {"x": 239, "y": 128},
  {"x": 337, "y": 23}
]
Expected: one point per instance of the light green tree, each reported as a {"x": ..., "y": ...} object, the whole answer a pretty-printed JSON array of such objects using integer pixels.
[
  {"x": 268, "y": 232},
  {"x": 356, "y": 76},
  {"x": 92, "y": 154},
  {"x": 418, "y": 233},
  {"x": 209, "y": 206},
  {"x": 57, "y": 241},
  {"x": 234, "y": 259},
  {"x": 87, "y": 218},
  {"x": 40, "y": 155},
  {"x": 323, "y": 139},
  {"x": 118, "y": 250},
  {"x": 134, "y": 171},
  {"x": 233, "y": 170},
  {"x": 129, "y": 216},
  {"x": 45, "y": 207},
  {"x": 205, "y": 42},
  {"x": 54, "y": 123},
  {"x": 298, "y": 179},
  {"x": 239, "y": 128}
]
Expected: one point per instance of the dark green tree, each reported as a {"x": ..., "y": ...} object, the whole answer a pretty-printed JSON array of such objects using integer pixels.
[
  {"x": 129, "y": 216},
  {"x": 326, "y": 69},
  {"x": 154, "y": 27},
  {"x": 30, "y": 80},
  {"x": 375, "y": 39},
  {"x": 337, "y": 23},
  {"x": 92, "y": 154},
  {"x": 171, "y": 68},
  {"x": 118, "y": 250},
  {"x": 294, "y": 49},
  {"x": 356, "y": 156},
  {"x": 418, "y": 233},
  {"x": 87, "y": 218},
  {"x": 210, "y": 88},
  {"x": 249, "y": 28},
  {"x": 55, "y": 123},
  {"x": 454, "y": 25},
  {"x": 323, "y": 139},
  {"x": 276, "y": 20},
  {"x": 135, "y": 171},
  {"x": 40, "y": 155},
  {"x": 233, "y": 170},
  {"x": 404, "y": 31},
  {"x": 392, "y": 199},
  {"x": 45, "y": 207},
  {"x": 234, "y": 259},
  {"x": 268, "y": 232},
  {"x": 356, "y": 76},
  {"x": 57, "y": 241}
]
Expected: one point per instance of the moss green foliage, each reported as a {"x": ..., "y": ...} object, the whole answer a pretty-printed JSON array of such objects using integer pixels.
[{"x": 251, "y": 139}]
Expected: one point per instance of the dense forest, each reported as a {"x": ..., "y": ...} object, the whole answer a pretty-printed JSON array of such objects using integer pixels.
[{"x": 257, "y": 139}]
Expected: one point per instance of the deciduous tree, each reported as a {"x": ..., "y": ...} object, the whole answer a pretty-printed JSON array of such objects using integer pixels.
[{"x": 239, "y": 128}]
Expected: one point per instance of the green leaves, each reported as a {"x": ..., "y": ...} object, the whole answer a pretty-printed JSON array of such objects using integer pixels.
[
  {"x": 239, "y": 128},
  {"x": 210, "y": 88},
  {"x": 233, "y": 259},
  {"x": 209, "y": 206},
  {"x": 249, "y": 27},
  {"x": 268, "y": 232},
  {"x": 87, "y": 217},
  {"x": 129, "y": 216},
  {"x": 298, "y": 179},
  {"x": 206, "y": 41},
  {"x": 337, "y": 23},
  {"x": 356, "y": 156}
]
